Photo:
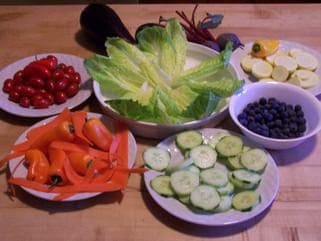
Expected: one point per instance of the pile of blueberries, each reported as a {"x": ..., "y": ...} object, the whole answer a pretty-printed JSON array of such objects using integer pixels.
[{"x": 273, "y": 118}]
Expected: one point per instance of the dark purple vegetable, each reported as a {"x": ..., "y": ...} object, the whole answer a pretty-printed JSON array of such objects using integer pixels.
[
  {"x": 100, "y": 21},
  {"x": 224, "y": 38},
  {"x": 198, "y": 32}
]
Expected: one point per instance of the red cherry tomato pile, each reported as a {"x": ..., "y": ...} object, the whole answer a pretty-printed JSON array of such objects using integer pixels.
[{"x": 42, "y": 83}]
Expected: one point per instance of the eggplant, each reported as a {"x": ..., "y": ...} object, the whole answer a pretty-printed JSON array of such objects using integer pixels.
[
  {"x": 99, "y": 21},
  {"x": 224, "y": 38}
]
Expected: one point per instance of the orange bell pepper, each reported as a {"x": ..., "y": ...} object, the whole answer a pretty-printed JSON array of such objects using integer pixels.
[
  {"x": 265, "y": 47},
  {"x": 56, "y": 173},
  {"x": 38, "y": 166},
  {"x": 80, "y": 162},
  {"x": 98, "y": 133}
]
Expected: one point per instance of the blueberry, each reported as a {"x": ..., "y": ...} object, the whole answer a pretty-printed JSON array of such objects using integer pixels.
[
  {"x": 252, "y": 125},
  {"x": 257, "y": 110},
  {"x": 301, "y": 120},
  {"x": 242, "y": 116},
  {"x": 251, "y": 113},
  {"x": 268, "y": 117},
  {"x": 244, "y": 122},
  {"x": 292, "y": 113},
  {"x": 293, "y": 127},
  {"x": 249, "y": 106},
  {"x": 273, "y": 111},
  {"x": 270, "y": 124},
  {"x": 299, "y": 113},
  {"x": 262, "y": 101},
  {"x": 250, "y": 119},
  {"x": 302, "y": 128},
  {"x": 255, "y": 104},
  {"x": 284, "y": 114},
  {"x": 294, "y": 119},
  {"x": 289, "y": 107},
  {"x": 265, "y": 132},
  {"x": 286, "y": 130},
  {"x": 286, "y": 120},
  {"x": 270, "y": 100},
  {"x": 268, "y": 106},
  {"x": 258, "y": 117},
  {"x": 278, "y": 123},
  {"x": 291, "y": 135},
  {"x": 297, "y": 108},
  {"x": 264, "y": 127}
]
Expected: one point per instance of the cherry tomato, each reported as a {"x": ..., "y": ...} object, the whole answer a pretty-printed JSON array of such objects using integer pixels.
[
  {"x": 14, "y": 96},
  {"x": 72, "y": 89},
  {"x": 18, "y": 76},
  {"x": 41, "y": 103},
  {"x": 68, "y": 77},
  {"x": 27, "y": 91},
  {"x": 76, "y": 78},
  {"x": 61, "y": 84},
  {"x": 62, "y": 66},
  {"x": 8, "y": 85},
  {"x": 58, "y": 74},
  {"x": 25, "y": 102},
  {"x": 41, "y": 92},
  {"x": 53, "y": 59},
  {"x": 69, "y": 70},
  {"x": 37, "y": 82},
  {"x": 50, "y": 98},
  {"x": 60, "y": 97},
  {"x": 50, "y": 85},
  {"x": 36, "y": 97},
  {"x": 18, "y": 88}
]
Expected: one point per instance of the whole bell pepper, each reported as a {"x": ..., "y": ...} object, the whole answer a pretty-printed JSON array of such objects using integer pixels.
[
  {"x": 56, "y": 172},
  {"x": 98, "y": 133},
  {"x": 64, "y": 132},
  {"x": 38, "y": 166},
  {"x": 265, "y": 47}
]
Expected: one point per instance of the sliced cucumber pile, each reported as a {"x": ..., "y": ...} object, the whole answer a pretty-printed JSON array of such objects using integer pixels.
[{"x": 200, "y": 181}]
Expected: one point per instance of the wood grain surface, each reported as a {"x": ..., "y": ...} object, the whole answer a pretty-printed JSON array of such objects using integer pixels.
[{"x": 132, "y": 215}]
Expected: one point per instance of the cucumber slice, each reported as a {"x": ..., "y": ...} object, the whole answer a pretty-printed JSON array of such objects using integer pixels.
[
  {"x": 203, "y": 156},
  {"x": 287, "y": 62},
  {"x": 246, "y": 176},
  {"x": 246, "y": 200},
  {"x": 214, "y": 177},
  {"x": 229, "y": 146},
  {"x": 156, "y": 158},
  {"x": 174, "y": 167},
  {"x": 226, "y": 190},
  {"x": 189, "y": 139},
  {"x": 183, "y": 182},
  {"x": 205, "y": 197},
  {"x": 215, "y": 139},
  {"x": 161, "y": 185},
  {"x": 240, "y": 184},
  {"x": 280, "y": 73},
  {"x": 262, "y": 69},
  {"x": 225, "y": 204},
  {"x": 234, "y": 163},
  {"x": 254, "y": 160}
]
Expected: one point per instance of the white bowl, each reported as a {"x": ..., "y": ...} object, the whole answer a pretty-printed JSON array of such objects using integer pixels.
[
  {"x": 195, "y": 54},
  {"x": 287, "y": 93}
]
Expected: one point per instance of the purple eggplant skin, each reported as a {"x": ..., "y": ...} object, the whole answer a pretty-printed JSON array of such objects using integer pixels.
[
  {"x": 100, "y": 21},
  {"x": 223, "y": 39},
  {"x": 213, "y": 45},
  {"x": 146, "y": 25}
]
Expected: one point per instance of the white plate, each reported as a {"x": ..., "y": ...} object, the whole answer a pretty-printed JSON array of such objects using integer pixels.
[
  {"x": 268, "y": 189},
  {"x": 22, "y": 170},
  {"x": 284, "y": 45},
  {"x": 14, "y": 108},
  {"x": 195, "y": 54}
]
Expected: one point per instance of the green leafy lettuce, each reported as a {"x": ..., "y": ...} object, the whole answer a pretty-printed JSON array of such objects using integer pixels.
[{"x": 148, "y": 82}]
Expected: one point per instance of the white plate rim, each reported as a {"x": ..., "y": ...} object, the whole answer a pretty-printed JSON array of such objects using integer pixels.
[
  {"x": 15, "y": 109},
  {"x": 284, "y": 44},
  {"x": 174, "y": 207},
  {"x": 132, "y": 147}
]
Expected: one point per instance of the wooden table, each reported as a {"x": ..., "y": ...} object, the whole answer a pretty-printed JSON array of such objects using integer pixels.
[{"x": 296, "y": 213}]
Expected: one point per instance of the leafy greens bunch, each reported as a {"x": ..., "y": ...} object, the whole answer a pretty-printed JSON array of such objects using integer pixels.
[{"x": 147, "y": 81}]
